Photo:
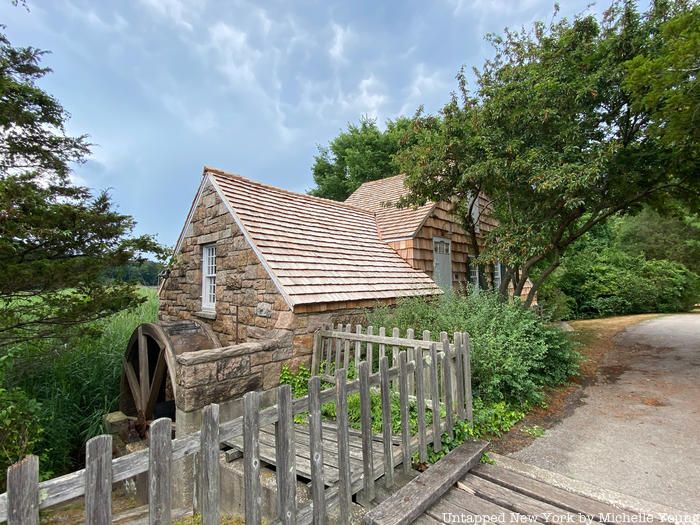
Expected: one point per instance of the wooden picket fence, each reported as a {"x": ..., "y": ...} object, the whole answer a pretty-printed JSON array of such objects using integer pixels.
[{"x": 439, "y": 376}]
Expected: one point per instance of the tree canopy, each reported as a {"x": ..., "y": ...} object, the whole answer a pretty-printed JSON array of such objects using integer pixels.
[
  {"x": 57, "y": 239},
  {"x": 570, "y": 123},
  {"x": 362, "y": 153}
]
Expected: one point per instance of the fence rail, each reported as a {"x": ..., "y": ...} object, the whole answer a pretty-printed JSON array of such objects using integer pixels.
[{"x": 434, "y": 376}]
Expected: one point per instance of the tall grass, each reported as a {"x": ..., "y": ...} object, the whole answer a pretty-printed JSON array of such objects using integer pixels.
[{"x": 76, "y": 383}]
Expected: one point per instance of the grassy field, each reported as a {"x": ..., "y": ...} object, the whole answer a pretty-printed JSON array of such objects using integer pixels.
[{"x": 74, "y": 383}]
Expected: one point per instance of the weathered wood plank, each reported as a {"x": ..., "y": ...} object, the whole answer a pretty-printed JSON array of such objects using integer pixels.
[
  {"x": 98, "y": 480},
  {"x": 366, "y": 425},
  {"x": 386, "y": 422},
  {"x": 159, "y": 472},
  {"x": 209, "y": 466},
  {"x": 338, "y": 347},
  {"x": 515, "y": 501},
  {"x": 459, "y": 502},
  {"x": 23, "y": 492},
  {"x": 447, "y": 386},
  {"x": 466, "y": 363},
  {"x": 411, "y": 356},
  {"x": 381, "y": 339},
  {"x": 133, "y": 383},
  {"x": 286, "y": 454},
  {"x": 358, "y": 347},
  {"x": 346, "y": 349},
  {"x": 370, "y": 357},
  {"x": 435, "y": 397},
  {"x": 316, "y": 353},
  {"x": 344, "y": 488},
  {"x": 158, "y": 378},
  {"x": 547, "y": 493},
  {"x": 316, "y": 446},
  {"x": 459, "y": 373},
  {"x": 419, "y": 494},
  {"x": 426, "y": 370},
  {"x": 420, "y": 407},
  {"x": 144, "y": 371},
  {"x": 403, "y": 408},
  {"x": 251, "y": 458}
]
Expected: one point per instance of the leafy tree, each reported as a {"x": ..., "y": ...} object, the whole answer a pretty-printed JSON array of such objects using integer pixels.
[
  {"x": 672, "y": 237},
  {"x": 56, "y": 238},
  {"x": 362, "y": 153},
  {"x": 559, "y": 134}
]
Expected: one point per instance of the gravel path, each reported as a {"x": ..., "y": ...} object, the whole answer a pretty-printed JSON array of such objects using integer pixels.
[{"x": 638, "y": 428}]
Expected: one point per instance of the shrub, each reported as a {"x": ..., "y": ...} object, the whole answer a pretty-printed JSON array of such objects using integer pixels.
[
  {"x": 74, "y": 384},
  {"x": 604, "y": 282},
  {"x": 514, "y": 353},
  {"x": 20, "y": 428}
]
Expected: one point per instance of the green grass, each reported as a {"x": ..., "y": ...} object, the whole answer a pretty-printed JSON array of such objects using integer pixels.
[{"x": 75, "y": 383}]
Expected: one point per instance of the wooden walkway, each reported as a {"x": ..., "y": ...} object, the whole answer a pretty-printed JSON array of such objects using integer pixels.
[
  {"x": 490, "y": 490},
  {"x": 330, "y": 452},
  {"x": 458, "y": 489}
]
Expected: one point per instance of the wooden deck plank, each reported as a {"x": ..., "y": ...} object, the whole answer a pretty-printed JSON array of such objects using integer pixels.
[
  {"x": 545, "y": 492},
  {"x": 460, "y": 502},
  {"x": 515, "y": 501},
  {"x": 413, "y": 499}
]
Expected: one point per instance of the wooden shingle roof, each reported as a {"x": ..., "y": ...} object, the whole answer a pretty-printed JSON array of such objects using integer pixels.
[
  {"x": 380, "y": 197},
  {"x": 317, "y": 250}
]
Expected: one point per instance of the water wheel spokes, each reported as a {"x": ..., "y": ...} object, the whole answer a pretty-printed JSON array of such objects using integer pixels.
[{"x": 145, "y": 387}]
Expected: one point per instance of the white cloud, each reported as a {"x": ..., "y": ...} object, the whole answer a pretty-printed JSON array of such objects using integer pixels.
[
  {"x": 236, "y": 58},
  {"x": 89, "y": 16},
  {"x": 183, "y": 13},
  {"x": 200, "y": 121},
  {"x": 424, "y": 86},
  {"x": 341, "y": 37},
  {"x": 367, "y": 99}
]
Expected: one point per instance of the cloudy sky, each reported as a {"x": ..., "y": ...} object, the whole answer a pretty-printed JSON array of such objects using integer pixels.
[{"x": 163, "y": 87}]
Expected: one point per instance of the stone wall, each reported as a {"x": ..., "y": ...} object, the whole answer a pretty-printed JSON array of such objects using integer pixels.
[{"x": 242, "y": 283}]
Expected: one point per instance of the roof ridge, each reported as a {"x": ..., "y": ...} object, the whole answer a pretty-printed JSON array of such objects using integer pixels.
[{"x": 218, "y": 171}]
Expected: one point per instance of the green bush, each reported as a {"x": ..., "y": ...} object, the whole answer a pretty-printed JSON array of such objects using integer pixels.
[
  {"x": 21, "y": 428},
  {"x": 604, "y": 282},
  {"x": 515, "y": 354},
  {"x": 74, "y": 384}
]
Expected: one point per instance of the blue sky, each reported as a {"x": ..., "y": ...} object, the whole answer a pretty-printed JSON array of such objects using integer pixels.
[{"x": 163, "y": 87}]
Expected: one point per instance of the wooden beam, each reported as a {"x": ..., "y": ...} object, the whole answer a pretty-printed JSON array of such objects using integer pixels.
[{"x": 414, "y": 498}]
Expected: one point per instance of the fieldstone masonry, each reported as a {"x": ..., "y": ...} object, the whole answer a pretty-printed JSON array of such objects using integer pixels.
[{"x": 252, "y": 320}]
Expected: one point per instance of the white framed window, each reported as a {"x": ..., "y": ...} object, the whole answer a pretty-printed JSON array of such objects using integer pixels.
[
  {"x": 209, "y": 277},
  {"x": 497, "y": 275},
  {"x": 474, "y": 274}
]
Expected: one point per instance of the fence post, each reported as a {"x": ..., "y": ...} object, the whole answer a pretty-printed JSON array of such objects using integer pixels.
[
  {"x": 251, "y": 457},
  {"x": 411, "y": 356},
  {"x": 160, "y": 459},
  {"x": 318, "y": 482},
  {"x": 459, "y": 374},
  {"x": 358, "y": 349},
  {"x": 316, "y": 354},
  {"x": 286, "y": 454},
  {"x": 369, "y": 357},
  {"x": 366, "y": 429},
  {"x": 209, "y": 465},
  {"x": 23, "y": 492},
  {"x": 467, "y": 375},
  {"x": 435, "y": 398},
  {"x": 420, "y": 406},
  {"x": 341, "y": 411},
  {"x": 403, "y": 407},
  {"x": 386, "y": 422},
  {"x": 426, "y": 370},
  {"x": 447, "y": 386},
  {"x": 98, "y": 481}
]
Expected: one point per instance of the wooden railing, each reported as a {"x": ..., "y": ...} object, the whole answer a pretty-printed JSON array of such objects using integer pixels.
[{"x": 440, "y": 379}]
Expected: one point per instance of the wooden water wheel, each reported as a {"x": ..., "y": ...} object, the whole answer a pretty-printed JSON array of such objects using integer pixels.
[{"x": 148, "y": 385}]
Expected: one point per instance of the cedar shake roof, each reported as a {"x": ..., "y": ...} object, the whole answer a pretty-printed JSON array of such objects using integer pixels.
[
  {"x": 380, "y": 197},
  {"x": 318, "y": 250}
]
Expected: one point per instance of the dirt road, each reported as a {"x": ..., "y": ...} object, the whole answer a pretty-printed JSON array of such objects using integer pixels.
[{"x": 636, "y": 429}]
